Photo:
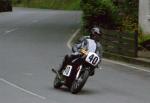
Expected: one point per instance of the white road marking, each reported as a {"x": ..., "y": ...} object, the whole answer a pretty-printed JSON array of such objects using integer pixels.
[
  {"x": 9, "y": 31},
  {"x": 115, "y": 62},
  {"x": 127, "y": 65},
  {"x": 22, "y": 89},
  {"x": 71, "y": 38}
]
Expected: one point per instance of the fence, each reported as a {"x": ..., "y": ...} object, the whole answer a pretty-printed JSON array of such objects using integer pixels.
[{"x": 120, "y": 43}]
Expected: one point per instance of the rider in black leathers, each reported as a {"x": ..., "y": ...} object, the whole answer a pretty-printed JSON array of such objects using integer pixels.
[{"x": 84, "y": 42}]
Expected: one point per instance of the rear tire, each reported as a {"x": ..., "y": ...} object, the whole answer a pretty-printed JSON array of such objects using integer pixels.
[{"x": 77, "y": 85}]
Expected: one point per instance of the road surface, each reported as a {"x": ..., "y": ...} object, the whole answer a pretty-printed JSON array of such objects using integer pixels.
[{"x": 31, "y": 40}]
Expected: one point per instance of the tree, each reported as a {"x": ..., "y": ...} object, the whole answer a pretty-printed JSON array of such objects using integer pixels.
[{"x": 98, "y": 12}]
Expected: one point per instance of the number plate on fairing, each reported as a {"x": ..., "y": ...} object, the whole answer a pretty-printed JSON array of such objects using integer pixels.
[
  {"x": 67, "y": 70},
  {"x": 92, "y": 58}
]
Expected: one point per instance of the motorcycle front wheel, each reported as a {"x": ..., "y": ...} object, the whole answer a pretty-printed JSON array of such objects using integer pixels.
[
  {"x": 78, "y": 84},
  {"x": 57, "y": 82}
]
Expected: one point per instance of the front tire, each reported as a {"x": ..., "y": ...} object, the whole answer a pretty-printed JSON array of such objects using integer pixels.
[
  {"x": 57, "y": 82},
  {"x": 78, "y": 84}
]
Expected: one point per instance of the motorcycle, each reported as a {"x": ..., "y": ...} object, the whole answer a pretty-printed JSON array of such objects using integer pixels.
[{"x": 76, "y": 73}]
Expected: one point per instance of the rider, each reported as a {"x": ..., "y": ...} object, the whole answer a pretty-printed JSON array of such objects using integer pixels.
[{"x": 90, "y": 42}]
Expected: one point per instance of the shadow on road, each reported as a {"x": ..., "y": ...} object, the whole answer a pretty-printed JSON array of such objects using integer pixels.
[
  {"x": 82, "y": 92},
  {"x": 88, "y": 92}
]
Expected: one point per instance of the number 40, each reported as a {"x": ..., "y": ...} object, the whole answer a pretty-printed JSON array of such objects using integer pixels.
[{"x": 93, "y": 59}]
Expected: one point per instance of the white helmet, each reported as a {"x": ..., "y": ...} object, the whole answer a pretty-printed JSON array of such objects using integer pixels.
[{"x": 96, "y": 32}]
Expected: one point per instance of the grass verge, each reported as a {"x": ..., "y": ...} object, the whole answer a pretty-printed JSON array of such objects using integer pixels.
[{"x": 49, "y": 4}]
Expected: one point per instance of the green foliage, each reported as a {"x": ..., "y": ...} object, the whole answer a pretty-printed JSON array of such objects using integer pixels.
[
  {"x": 129, "y": 23},
  {"x": 98, "y": 12},
  {"x": 121, "y": 16},
  {"x": 143, "y": 37},
  {"x": 130, "y": 15},
  {"x": 49, "y": 4}
]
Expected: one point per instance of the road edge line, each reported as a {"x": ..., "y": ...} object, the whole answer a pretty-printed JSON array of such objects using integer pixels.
[
  {"x": 126, "y": 65},
  {"x": 71, "y": 38},
  {"x": 22, "y": 89}
]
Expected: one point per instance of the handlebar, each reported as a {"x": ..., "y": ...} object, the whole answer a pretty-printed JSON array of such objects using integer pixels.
[{"x": 83, "y": 51}]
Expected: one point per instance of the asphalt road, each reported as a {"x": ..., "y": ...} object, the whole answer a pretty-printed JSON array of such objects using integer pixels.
[{"x": 31, "y": 40}]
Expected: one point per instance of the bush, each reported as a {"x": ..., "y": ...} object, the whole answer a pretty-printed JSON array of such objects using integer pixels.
[
  {"x": 143, "y": 37},
  {"x": 130, "y": 15},
  {"x": 98, "y": 12},
  {"x": 105, "y": 13}
]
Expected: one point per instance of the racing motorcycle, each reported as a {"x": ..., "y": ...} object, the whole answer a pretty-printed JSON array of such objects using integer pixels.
[{"x": 76, "y": 73}]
